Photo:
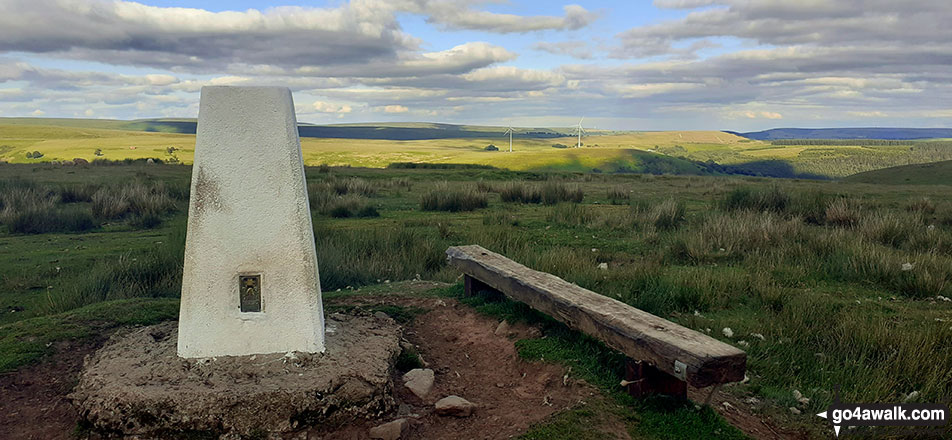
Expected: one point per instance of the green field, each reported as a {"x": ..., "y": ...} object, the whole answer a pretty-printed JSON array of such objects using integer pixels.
[
  {"x": 934, "y": 173},
  {"x": 684, "y": 152},
  {"x": 811, "y": 276}
]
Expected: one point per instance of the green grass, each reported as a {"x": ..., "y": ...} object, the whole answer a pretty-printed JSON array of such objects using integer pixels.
[
  {"x": 27, "y": 341},
  {"x": 936, "y": 173},
  {"x": 815, "y": 267}
]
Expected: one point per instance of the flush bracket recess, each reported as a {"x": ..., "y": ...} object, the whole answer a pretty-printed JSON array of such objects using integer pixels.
[{"x": 249, "y": 292}]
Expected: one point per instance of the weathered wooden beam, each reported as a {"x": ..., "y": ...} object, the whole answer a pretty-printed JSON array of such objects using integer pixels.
[{"x": 696, "y": 358}]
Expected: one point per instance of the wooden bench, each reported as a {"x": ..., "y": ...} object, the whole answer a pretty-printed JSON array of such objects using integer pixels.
[{"x": 664, "y": 356}]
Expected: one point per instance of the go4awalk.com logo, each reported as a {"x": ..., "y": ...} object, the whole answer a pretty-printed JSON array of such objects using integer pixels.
[{"x": 841, "y": 414}]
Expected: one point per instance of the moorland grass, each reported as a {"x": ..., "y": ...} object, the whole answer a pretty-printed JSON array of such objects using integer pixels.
[
  {"x": 842, "y": 284},
  {"x": 446, "y": 198}
]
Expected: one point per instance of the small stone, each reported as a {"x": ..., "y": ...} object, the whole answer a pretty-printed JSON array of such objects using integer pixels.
[
  {"x": 728, "y": 332},
  {"x": 502, "y": 329},
  {"x": 795, "y": 411},
  {"x": 906, "y": 267},
  {"x": 758, "y": 336},
  {"x": 454, "y": 406},
  {"x": 389, "y": 431},
  {"x": 743, "y": 343},
  {"x": 910, "y": 397},
  {"x": 419, "y": 381},
  {"x": 603, "y": 266},
  {"x": 381, "y": 315}
]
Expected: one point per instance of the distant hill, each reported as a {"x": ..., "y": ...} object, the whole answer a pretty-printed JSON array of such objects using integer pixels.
[
  {"x": 935, "y": 173},
  {"x": 848, "y": 133},
  {"x": 406, "y": 131}
]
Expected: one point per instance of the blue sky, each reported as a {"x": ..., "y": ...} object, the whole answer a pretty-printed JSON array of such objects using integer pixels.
[{"x": 666, "y": 64}]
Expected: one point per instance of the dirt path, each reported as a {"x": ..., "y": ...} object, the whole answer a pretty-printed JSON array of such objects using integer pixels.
[
  {"x": 472, "y": 362},
  {"x": 33, "y": 400}
]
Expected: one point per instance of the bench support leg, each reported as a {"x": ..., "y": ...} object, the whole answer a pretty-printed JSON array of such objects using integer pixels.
[
  {"x": 647, "y": 380},
  {"x": 472, "y": 286}
]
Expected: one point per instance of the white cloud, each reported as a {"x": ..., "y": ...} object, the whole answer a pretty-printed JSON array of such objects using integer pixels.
[
  {"x": 450, "y": 15},
  {"x": 326, "y": 107},
  {"x": 395, "y": 109}
]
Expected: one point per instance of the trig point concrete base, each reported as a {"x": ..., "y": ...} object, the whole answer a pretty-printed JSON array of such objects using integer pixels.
[{"x": 250, "y": 283}]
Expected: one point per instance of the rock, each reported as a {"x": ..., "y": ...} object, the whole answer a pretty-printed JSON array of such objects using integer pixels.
[
  {"x": 910, "y": 397},
  {"x": 419, "y": 381},
  {"x": 80, "y": 161},
  {"x": 799, "y": 397},
  {"x": 603, "y": 266},
  {"x": 795, "y": 411},
  {"x": 454, "y": 406},
  {"x": 502, "y": 329},
  {"x": 381, "y": 315},
  {"x": 149, "y": 161},
  {"x": 906, "y": 267},
  {"x": 389, "y": 431},
  {"x": 534, "y": 333},
  {"x": 728, "y": 332}
]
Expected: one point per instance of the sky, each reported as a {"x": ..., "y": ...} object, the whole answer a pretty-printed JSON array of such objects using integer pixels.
[{"x": 629, "y": 65}]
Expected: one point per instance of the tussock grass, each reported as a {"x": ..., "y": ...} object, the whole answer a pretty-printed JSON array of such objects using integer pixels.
[
  {"x": 132, "y": 199},
  {"x": 520, "y": 192},
  {"x": 326, "y": 199},
  {"x": 554, "y": 192},
  {"x": 353, "y": 186},
  {"x": 550, "y": 193},
  {"x": 923, "y": 206},
  {"x": 352, "y": 258},
  {"x": 618, "y": 195},
  {"x": 446, "y": 198},
  {"x": 667, "y": 215},
  {"x": 842, "y": 212},
  {"x": 27, "y": 208},
  {"x": 773, "y": 199},
  {"x": 351, "y": 206},
  {"x": 890, "y": 228}
]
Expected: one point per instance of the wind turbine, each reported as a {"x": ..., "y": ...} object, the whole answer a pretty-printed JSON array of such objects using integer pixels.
[
  {"x": 580, "y": 131},
  {"x": 509, "y": 132}
]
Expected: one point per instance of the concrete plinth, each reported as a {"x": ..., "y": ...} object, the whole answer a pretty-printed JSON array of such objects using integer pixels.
[
  {"x": 250, "y": 281},
  {"x": 136, "y": 385}
]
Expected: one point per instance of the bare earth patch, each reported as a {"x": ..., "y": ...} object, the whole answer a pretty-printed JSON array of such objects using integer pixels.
[{"x": 470, "y": 361}]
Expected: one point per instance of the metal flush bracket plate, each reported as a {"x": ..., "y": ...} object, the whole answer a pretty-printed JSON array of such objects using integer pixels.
[
  {"x": 249, "y": 293},
  {"x": 680, "y": 370}
]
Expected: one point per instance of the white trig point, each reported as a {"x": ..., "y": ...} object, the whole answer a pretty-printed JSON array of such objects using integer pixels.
[{"x": 250, "y": 282}]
